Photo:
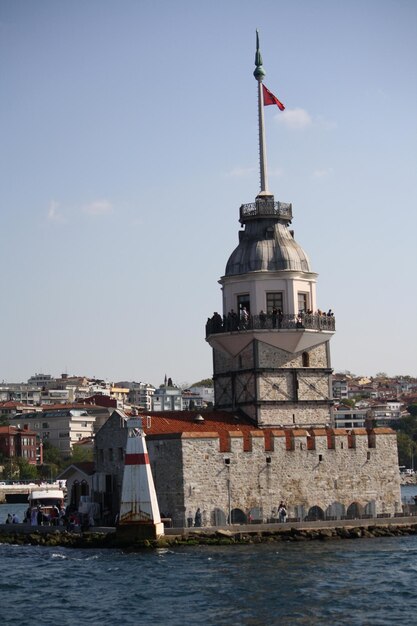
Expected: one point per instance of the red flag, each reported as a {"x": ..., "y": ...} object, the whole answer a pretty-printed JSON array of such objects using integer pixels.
[{"x": 269, "y": 98}]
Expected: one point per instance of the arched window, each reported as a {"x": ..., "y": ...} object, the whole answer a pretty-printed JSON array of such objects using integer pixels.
[
  {"x": 218, "y": 518},
  {"x": 306, "y": 359},
  {"x": 238, "y": 517}
]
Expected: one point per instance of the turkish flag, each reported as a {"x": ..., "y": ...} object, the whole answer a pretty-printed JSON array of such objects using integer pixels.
[{"x": 269, "y": 98}]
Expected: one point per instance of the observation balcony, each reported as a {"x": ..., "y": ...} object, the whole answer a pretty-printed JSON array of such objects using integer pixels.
[
  {"x": 304, "y": 321},
  {"x": 265, "y": 207}
]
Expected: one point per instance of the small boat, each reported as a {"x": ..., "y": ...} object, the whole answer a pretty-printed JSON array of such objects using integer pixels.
[{"x": 49, "y": 501}]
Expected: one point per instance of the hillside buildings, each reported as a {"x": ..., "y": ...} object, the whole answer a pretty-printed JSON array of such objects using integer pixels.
[
  {"x": 61, "y": 427},
  {"x": 19, "y": 443}
]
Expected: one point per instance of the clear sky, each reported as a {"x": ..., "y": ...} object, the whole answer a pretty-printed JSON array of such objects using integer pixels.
[{"x": 128, "y": 141}]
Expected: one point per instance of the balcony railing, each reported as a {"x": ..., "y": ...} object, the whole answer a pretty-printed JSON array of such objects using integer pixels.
[
  {"x": 303, "y": 321},
  {"x": 266, "y": 207}
]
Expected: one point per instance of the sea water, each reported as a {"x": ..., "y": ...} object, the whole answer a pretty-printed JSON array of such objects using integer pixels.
[{"x": 347, "y": 582}]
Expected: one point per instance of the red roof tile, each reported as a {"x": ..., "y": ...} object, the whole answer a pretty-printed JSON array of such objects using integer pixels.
[
  {"x": 221, "y": 423},
  {"x": 382, "y": 430}
]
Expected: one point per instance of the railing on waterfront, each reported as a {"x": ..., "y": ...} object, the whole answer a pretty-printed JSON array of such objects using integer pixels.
[{"x": 303, "y": 321}]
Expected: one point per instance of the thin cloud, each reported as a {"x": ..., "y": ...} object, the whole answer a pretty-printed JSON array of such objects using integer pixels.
[
  {"x": 98, "y": 207},
  {"x": 276, "y": 172},
  {"x": 241, "y": 172},
  {"x": 53, "y": 214},
  {"x": 319, "y": 174},
  {"x": 300, "y": 119},
  {"x": 295, "y": 119},
  {"x": 326, "y": 124}
]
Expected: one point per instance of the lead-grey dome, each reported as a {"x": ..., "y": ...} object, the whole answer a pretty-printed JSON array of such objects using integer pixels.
[{"x": 269, "y": 246}]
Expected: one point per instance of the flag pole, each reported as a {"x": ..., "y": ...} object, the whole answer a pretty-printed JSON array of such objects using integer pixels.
[{"x": 259, "y": 74}]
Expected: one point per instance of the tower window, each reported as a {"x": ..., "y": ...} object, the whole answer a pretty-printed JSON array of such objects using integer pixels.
[
  {"x": 302, "y": 301},
  {"x": 243, "y": 301},
  {"x": 274, "y": 300},
  {"x": 306, "y": 359}
]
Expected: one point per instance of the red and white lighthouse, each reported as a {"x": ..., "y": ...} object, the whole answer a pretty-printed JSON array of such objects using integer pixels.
[{"x": 139, "y": 511}]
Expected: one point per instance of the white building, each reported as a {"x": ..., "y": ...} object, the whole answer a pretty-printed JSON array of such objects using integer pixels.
[
  {"x": 139, "y": 394},
  {"x": 350, "y": 418},
  {"x": 26, "y": 394},
  {"x": 340, "y": 387},
  {"x": 206, "y": 394},
  {"x": 167, "y": 399},
  {"x": 60, "y": 427}
]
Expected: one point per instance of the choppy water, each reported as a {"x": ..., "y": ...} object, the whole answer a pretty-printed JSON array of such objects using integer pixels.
[
  {"x": 352, "y": 582},
  {"x": 357, "y": 582}
]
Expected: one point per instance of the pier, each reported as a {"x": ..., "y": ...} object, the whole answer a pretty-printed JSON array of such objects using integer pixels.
[
  {"x": 106, "y": 537},
  {"x": 19, "y": 492}
]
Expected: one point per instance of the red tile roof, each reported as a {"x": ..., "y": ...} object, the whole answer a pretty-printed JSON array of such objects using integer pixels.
[
  {"x": 13, "y": 430},
  {"x": 225, "y": 425},
  {"x": 11, "y": 404},
  {"x": 64, "y": 407},
  {"x": 215, "y": 422}
]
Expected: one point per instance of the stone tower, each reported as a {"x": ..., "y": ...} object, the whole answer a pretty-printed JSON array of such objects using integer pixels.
[{"x": 271, "y": 355}]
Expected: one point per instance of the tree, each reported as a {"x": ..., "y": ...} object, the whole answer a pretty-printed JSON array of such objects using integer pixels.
[
  {"x": 347, "y": 402},
  {"x": 53, "y": 461},
  {"x": 10, "y": 469},
  {"x": 406, "y": 449},
  {"x": 26, "y": 470},
  {"x": 407, "y": 425},
  {"x": 412, "y": 409},
  {"x": 80, "y": 454},
  {"x": 51, "y": 455},
  {"x": 205, "y": 382}
]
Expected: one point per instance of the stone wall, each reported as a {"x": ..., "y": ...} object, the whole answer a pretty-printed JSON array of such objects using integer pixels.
[
  {"x": 271, "y": 357},
  {"x": 268, "y": 356},
  {"x": 166, "y": 459},
  {"x": 109, "y": 450},
  {"x": 289, "y": 414},
  {"x": 318, "y": 472},
  {"x": 275, "y": 387}
]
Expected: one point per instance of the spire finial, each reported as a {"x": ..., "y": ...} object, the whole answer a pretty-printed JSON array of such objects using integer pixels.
[{"x": 259, "y": 72}]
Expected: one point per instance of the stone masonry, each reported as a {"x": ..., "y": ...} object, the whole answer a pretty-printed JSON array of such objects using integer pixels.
[
  {"x": 317, "y": 472},
  {"x": 274, "y": 387}
]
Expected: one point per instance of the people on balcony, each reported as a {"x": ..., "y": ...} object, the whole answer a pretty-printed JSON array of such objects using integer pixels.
[
  {"x": 231, "y": 320},
  {"x": 275, "y": 319},
  {"x": 244, "y": 318},
  {"x": 217, "y": 322}
]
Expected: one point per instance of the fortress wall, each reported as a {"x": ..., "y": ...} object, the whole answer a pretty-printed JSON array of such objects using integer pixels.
[
  {"x": 165, "y": 455},
  {"x": 306, "y": 468}
]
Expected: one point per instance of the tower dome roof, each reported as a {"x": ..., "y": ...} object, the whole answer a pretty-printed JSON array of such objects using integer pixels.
[{"x": 267, "y": 246}]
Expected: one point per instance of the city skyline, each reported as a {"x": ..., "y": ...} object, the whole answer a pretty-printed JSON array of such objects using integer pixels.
[{"x": 129, "y": 141}]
